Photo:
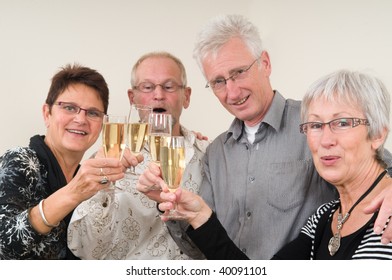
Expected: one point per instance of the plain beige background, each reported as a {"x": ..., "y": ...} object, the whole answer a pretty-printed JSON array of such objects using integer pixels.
[{"x": 305, "y": 38}]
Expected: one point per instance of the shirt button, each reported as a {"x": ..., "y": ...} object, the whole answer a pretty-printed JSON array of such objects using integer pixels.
[
  {"x": 251, "y": 179},
  {"x": 243, "y": 250},
  {"x": 248, "y": 214}
]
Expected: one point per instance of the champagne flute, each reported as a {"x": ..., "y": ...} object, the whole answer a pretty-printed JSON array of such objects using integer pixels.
[
  {"x": 137, "y": 129},
  {"x": 159, "y": 124},
  {"x": 172, "y": 162},
  {"x": 113, "y": 139}
]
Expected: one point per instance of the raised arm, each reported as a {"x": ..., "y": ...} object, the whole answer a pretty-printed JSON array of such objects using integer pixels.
[{"x": 383, "y": 203}]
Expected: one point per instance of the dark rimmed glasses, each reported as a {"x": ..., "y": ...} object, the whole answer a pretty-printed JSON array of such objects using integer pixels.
[
  {"x": 73, "y": 109},
  {"x": 337, "y": 125}
]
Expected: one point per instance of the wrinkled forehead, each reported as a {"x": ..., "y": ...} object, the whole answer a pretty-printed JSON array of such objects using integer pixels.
[{"x": 158, "y": 69}]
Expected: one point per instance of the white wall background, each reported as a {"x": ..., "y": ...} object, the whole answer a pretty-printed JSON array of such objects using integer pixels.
[{"x": 305, "y": 38}]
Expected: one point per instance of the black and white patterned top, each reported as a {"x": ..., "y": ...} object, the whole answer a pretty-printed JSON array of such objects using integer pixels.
[
  {"x": 23, "y": 183},
  {"x": 314, "y": 237},
  {"x": 311, "y": 243}
]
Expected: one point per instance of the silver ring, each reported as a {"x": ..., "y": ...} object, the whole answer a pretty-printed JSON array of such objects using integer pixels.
[
  {"x": 104, "y": 180},
  {"x": 154, "y": 188}
]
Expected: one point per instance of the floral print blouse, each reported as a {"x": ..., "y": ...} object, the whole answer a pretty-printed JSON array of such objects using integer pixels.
[{"x": 23, "y": 183}]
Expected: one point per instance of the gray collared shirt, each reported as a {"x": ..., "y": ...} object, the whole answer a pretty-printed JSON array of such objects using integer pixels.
[{"x": 264, "y": 192}]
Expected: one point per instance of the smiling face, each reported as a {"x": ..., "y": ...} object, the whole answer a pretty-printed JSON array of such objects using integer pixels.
[
  {"x": 340, "y": 158},
  {"x": 69, "y": 134},
  {"x": 249, "y": 98},
  {"x": 159, "y": 70}
]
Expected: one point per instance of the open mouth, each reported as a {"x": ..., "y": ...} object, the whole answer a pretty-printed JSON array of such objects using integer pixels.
[{"x": 159, "y": 110}]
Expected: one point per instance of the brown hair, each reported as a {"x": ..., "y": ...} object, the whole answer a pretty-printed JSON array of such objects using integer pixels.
[{"x": 78, "y": 74}]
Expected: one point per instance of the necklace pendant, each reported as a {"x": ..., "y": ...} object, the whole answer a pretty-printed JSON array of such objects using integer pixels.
[{"x": 334, "y": 244}]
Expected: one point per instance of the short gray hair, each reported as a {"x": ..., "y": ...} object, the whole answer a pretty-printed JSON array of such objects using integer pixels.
[
  {"x": 362, "y": 90},
  {"x": 220, "y": 30}
]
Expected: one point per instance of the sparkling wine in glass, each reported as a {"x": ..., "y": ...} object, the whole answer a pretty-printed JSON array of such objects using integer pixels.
[
  {"x": 159, "y": 125},
  {"x": 137, "y": 129},
  {"x": 114, "y": 137},
  {"x": 172, "y": 162}
]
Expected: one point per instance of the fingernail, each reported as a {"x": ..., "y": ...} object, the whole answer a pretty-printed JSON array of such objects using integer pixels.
[{"x": 378, "y": 230}]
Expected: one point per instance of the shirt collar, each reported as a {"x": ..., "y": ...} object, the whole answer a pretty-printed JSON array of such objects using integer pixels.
[{"x": 273, "y": 118}]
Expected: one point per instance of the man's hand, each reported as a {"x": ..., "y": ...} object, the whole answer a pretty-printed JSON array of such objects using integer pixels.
[
  {"x": 130, "y": 159},
  {"x": 150, "y": 182},
  {"x": 382, "y": 225},
  {"x": 200, "y": 136}
]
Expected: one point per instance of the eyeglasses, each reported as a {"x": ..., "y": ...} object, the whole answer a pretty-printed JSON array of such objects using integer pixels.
[
  {"x": 238, "y": 74},
  {"x": 72, "y": 109},
  {"x": 337, "y": 125},
  {"x": 148, "y": 87}
]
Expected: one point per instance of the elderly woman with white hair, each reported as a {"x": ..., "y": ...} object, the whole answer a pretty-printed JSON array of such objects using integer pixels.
[{"x": 346, "y": 121}]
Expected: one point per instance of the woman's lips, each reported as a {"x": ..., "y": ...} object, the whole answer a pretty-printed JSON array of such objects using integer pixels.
[{"x": 329, "y": 160}]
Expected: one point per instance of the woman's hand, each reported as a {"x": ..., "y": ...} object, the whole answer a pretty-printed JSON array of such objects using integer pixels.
[
  {"x": 192, "y": 207},
  {"x": 92, "y": 175}
]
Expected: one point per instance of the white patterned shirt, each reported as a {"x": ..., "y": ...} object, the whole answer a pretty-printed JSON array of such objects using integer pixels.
[{"x": 129, "y": 227}]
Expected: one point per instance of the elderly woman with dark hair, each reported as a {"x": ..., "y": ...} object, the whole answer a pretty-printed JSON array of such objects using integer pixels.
[
  {"x": 346, "y": 121},
  {"x": 41, "y": 184}
]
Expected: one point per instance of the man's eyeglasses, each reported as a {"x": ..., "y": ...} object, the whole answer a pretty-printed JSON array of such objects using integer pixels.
[
  {"x": 238, "y": 74},
  {"x": 148, "y": 87},
  {"x": 337, "y": 125},
  {"x": 72, "y": 109}
]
